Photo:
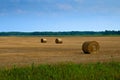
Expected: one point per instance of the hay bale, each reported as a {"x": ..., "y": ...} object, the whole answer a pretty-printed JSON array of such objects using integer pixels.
[
  {"x": 43, "y": 40},
  {"x": 58, "y": 41},
  {"x": 90, "y": 47}
]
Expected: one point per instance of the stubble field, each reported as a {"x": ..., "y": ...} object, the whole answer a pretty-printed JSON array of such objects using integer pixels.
[{"x": 27, "y": 50}]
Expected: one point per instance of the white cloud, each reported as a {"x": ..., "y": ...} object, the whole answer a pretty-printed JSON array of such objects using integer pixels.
[
  {"x": 15, "y": 1},
  {"x": 65, "y": 7},
  {"x": 79, "y": 1},
  {"x": 40, "y": 13},
  {"x": 3, "y": 14},
  {"x": 31, "y": 0},
  {"x": 20, "y": 11}
]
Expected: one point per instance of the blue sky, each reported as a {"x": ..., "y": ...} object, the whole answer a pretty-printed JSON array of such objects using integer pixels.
[{"x": 59, "y": 15}]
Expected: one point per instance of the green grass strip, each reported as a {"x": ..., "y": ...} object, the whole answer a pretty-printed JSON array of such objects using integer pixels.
[{"x": 64, "y": 71}]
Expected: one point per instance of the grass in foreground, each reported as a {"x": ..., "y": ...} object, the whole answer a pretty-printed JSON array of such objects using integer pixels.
[{"x": 64, "y": 71}]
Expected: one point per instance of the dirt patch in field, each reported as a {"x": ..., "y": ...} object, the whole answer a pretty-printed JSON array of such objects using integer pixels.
[{"x": 28, "y": 50}]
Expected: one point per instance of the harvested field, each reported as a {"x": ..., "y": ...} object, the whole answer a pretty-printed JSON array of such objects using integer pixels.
[{"x": 27, "y": 50}]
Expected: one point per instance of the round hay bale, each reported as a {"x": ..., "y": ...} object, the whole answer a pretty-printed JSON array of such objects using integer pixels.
[
  {"x": 90, "y": 47},
  {"x": 58, "y": 41},
  {"x": 43, "y": 40}
]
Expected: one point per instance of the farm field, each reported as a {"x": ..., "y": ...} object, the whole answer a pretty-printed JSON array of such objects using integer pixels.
[{"x": 27, "y": 50}]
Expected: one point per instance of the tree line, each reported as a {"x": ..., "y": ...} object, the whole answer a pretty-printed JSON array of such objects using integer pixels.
[{"x": 69, "y": 33}]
